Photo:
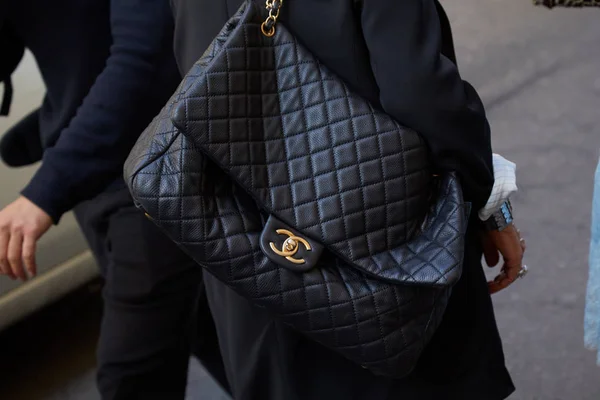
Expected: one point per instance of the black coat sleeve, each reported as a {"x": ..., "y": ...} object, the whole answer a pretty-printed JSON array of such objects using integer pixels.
[
  {"x": 125, "y": 96},
  {"x": 423, "y": 90}
]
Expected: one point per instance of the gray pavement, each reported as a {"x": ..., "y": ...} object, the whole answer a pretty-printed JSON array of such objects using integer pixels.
[{"x": 538, "y": 72}]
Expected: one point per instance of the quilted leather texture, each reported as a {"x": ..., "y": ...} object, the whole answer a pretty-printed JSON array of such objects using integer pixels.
[
  {"x": 258, "y": 127},
  {"x": 312, "y": 153}
]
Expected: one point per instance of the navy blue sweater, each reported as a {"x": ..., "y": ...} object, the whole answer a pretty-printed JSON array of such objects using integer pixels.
[{"x": 108, "y": 67}]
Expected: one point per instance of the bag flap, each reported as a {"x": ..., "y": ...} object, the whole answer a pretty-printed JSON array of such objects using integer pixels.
[{"x": 319, "y": 158}]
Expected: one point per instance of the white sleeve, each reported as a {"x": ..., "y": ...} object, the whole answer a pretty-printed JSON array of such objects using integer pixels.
[{"x": 505, "y": 184}]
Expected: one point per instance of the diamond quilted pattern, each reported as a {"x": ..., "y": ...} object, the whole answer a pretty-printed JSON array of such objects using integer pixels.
[
  {"x": 244, "y": 137},
  {"x": 311, "y": 152}
]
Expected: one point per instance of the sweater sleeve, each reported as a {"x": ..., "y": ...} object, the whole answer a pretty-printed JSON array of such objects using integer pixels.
[
  {"x": 423, "y": 90},
  {"x": 125, "y": 96}
]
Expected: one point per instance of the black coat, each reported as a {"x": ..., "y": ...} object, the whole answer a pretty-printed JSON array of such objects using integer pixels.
[{"x": 396, "y": 54}]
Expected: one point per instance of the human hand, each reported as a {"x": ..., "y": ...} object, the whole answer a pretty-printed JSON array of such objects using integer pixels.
[
  {"x": 22, "y": 223},
  {"x": 511, "y": 246}
]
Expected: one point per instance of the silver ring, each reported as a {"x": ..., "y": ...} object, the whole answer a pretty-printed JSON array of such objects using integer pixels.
[
  {"x": 522, "y": 240},
  {"x": 524, "y": 270}
]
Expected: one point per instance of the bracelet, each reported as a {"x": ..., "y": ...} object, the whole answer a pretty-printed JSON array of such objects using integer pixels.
[{"x": 501, "y": 218}]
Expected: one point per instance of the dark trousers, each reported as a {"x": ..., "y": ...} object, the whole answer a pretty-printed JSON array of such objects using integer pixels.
[{"x": 153, "y": 302}]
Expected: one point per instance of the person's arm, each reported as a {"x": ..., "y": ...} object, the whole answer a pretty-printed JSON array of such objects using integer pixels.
[
  {"x": 423, "y": 90},
  {"x": 126, "y": 95},
  {"x": 91, "y": 150}
]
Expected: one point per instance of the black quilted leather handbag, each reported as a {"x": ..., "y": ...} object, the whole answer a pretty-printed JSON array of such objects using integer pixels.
[{"x": 302, "y": 197}]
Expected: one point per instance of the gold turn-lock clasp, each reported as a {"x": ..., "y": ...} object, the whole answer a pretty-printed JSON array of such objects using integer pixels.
[{"x": 290, "y": 246}]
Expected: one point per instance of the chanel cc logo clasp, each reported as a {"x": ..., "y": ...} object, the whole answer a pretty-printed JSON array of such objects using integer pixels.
[{"x": 290, "y": 246}]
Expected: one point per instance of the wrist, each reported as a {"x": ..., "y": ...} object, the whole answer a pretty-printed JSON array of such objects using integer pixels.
[
  {"x": 501, "y": 218},
  {"x": 45, "y": 191}
]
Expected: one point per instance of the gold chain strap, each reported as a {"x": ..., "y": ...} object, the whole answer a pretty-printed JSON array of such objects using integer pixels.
[{"x": 268, "y": 27}]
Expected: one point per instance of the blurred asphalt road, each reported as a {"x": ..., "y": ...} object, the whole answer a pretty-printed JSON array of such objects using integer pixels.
[{"x": 538, "y": 72}]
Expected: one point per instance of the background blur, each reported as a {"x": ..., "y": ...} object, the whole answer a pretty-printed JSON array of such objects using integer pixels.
[{"x": 538, "y": 72}]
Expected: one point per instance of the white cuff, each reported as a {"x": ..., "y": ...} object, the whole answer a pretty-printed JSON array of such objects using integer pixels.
[{"x": 505, "y": 184}]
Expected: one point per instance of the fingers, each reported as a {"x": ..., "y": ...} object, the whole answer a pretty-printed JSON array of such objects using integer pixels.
[
  {"x": 523, "y": 245},
  {"x": 4, "y": 265},
  {"x": 512, "y": 247},
  {"x": 509, "y": 274},
  {"x": 490, "y": 252},
  {"x": 15, "y": 255},
  {"x": 16, "y": 251},
  {"x": 29, "y": 243},
  {"x": 498, "y": 284},
  {"x": 512, "y": 267},
  {"x": 22, "y": 223},
  {"x": 522, "y": 241}
]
